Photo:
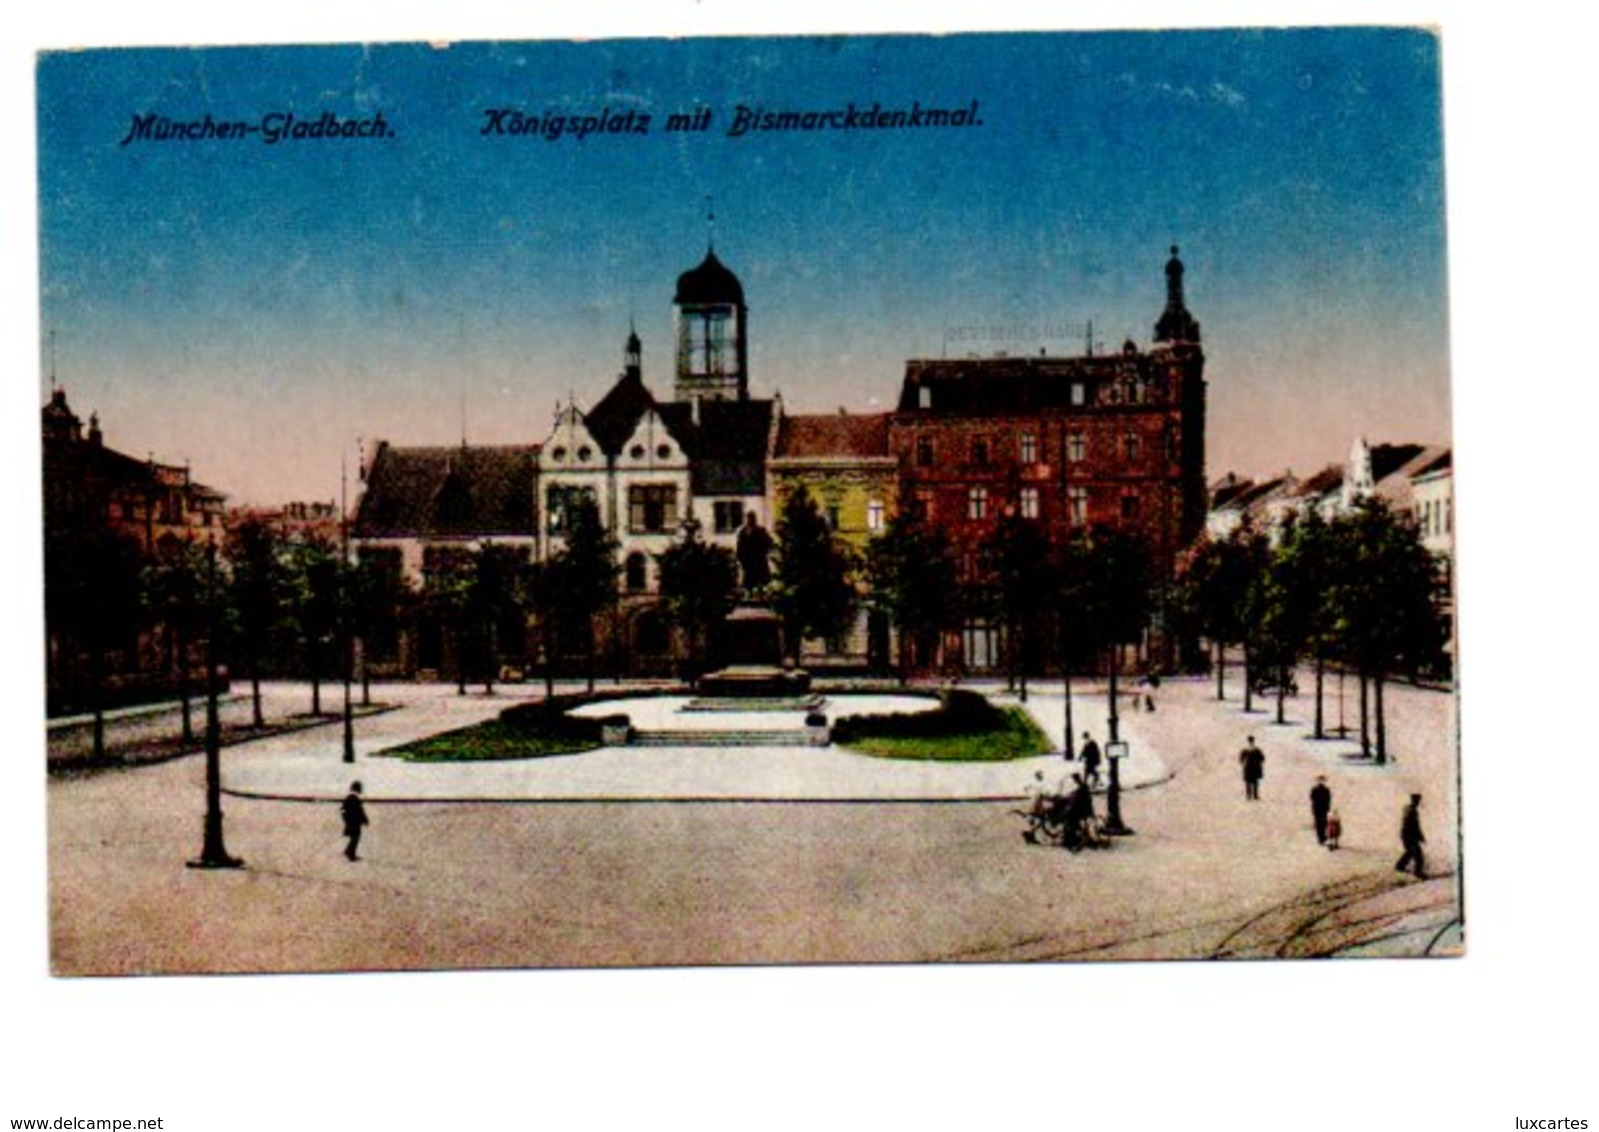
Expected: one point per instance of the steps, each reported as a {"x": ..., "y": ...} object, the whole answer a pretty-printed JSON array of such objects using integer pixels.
[{"x": 792, "y": 737}]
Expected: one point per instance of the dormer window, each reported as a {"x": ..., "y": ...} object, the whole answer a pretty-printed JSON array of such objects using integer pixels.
[
  {"x": 585, "y": 453},
  {"x": 664, "y": 452},
  {"x": 558, "y": 454},
  {"x": 637, "y": 452}
]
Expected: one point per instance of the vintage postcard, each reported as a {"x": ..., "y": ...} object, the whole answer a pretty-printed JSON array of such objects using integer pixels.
[{"x": 977, "y": 498}]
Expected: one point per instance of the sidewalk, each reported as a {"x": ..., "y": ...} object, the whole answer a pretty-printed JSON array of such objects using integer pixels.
[{"x": 308, "y": 766}]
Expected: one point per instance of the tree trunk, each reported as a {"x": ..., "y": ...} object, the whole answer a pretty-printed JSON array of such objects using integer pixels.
[
  {"x": 1221, "y": 670},
  {"x": 1282, "y": 691},
  {"x": 97, "y": 694},
  {"x": 1365, "y": 729},
  {"x": 256, "y": 718},
  {"x": 183, "y": 687},
  {"x": 1249, "y": 683},
  {"x": 1382, "y": 730},
  {"x": 1320, "y": 669},
  {"x": 546, "y": 637}
]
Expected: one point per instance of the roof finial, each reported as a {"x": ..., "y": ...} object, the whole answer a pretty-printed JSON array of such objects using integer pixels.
[{"x": 710, "y": 223}]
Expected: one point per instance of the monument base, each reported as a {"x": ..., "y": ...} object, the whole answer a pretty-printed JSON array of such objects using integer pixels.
[{"x": 754, "y": 687}]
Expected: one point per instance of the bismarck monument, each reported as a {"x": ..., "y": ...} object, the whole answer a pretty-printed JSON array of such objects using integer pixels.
[{"x": 751, "y": 639}]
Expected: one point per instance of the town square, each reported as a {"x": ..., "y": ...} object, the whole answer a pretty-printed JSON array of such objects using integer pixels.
[{"x": 826, "y": 579}]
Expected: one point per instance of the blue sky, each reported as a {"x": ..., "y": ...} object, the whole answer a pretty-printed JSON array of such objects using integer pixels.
[{"x": 255, "y": 308}]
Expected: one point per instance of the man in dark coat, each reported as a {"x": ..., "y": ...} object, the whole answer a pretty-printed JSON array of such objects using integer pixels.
[
  {"x": 1091, "y": 759},
  {"x": 1253, "y": 760},
  {"x": 1079, "y": 811},
  {"x": 1411, "y": 838},
  {"x": 1320, "y": 807},
  {"x": 353, "y": 810}
]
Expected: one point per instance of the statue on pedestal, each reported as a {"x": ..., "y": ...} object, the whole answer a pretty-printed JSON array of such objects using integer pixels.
[{"x": 754, "y": 555}]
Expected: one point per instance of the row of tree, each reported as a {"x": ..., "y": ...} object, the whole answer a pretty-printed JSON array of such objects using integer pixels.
[{"x": 1359, "y": 591}]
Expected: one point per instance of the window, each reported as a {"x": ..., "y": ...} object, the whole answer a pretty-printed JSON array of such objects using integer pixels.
[
  {"x": 560, "y": 500},
  {"x": 708, "y": 342},
  {"x": 1077, "y": 505},
  {"x": 727, "y": 516},
  {"x": 874, "y": 515},
  {"x": 637, "y": 574},
  {"x": 637, "y": 451},
  {"x": 924, "y": 452},
  {"x": 1079, "y": 393},
  {"x": 924, "y": 397},
  {"x": 1029, "y": 446},
  {"x": 1029, "y": 503},
  {"x": 980, "y": 452},
  {"x": 1131, "y": 447},
  {"x": 832, "y": 515},
  {"x": 977, "y": 503},
  {"x": 1076, "y": 447},
  {"x": 1129, "y": 506},
  {"x": 651, "y": 508},
  {"x": 1172, "y": 452}
]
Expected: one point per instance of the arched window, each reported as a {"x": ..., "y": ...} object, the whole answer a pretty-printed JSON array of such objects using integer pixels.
[{"x": 637, "y": 573}]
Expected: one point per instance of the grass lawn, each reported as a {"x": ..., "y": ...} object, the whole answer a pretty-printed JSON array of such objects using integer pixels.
[
  {"x": 1015, "y": 736},
  {"x": 490, "y": 741}
]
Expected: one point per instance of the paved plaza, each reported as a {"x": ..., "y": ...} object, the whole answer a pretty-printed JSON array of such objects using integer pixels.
[{"x": 645, "y": 856}]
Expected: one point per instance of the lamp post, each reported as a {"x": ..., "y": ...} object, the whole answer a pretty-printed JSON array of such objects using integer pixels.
[
  {"x": 1115, "y": 751},
  {"x": 346, "y": 644},
  {"x": 213, "y": 853}
]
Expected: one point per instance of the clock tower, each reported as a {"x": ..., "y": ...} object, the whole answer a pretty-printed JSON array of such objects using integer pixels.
[{"x": 712, "y": 327}]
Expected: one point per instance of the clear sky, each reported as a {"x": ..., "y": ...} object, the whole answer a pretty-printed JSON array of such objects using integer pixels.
[{"x": 255, "y": 308}]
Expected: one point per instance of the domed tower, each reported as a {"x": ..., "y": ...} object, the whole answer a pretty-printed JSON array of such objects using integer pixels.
[
  {"x": 712, "y": 328},
  {"x": 1176, "y": 324}
]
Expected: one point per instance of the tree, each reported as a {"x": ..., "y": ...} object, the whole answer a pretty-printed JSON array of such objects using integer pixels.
[
  {"x": 699, "y": 586},
  {"x": 1307, "y": 562},
  {"x": 497, "y": 589},
  {"x": 1017, "y": 568},
  {"x": 590, "y": 575},
  {"x": 175, "y": 596},
  {"x": 813, "y": 590},
  {"x": 259, "y": 596},
  {"x": 316, "y": 581},
  {"x": 1114, "y": 594},
  {"x": 1389, "y": 619},
  {"x": 378, "y": 598},
  {"x": 93, "y": 600},
  {"x": 446, "y": 596},
  {"x": 910, "y": 575},
  {"x": 1216, "y": 579}
]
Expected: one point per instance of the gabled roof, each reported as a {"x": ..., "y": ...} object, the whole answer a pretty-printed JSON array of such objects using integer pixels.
[
  {"x": 1386, "y": 459},
  {"x": 448, "y": 492},
  {"x": 832, "y": 436}
]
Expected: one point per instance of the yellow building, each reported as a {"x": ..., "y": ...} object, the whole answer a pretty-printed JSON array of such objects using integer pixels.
[{"x": 842, "y": 460}]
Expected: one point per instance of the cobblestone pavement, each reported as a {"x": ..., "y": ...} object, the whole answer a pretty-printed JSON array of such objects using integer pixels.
[{"x": 505, "y": 884}]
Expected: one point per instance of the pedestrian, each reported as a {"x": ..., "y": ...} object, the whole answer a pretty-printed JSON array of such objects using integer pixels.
[
  {"x": 1320, "y": 807},
  {"x": 1253, "y": 760},
  {"x": 1410, "y": 836},
  {"x": 1091, "y": 759},
  {"x": 1335, "y": 829},
  {"x": 1079, "y": 814},
  {"x": 353, "y": 810}
]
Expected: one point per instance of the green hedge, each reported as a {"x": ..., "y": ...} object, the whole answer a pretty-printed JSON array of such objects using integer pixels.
[{"x": 960, "y": 712}]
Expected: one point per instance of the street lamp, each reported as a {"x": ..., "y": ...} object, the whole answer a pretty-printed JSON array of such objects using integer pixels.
[
  {"x": 1115, "y": 752},
  {"x": 213, "y": 853},
  {"x": 347, "y": 643}
]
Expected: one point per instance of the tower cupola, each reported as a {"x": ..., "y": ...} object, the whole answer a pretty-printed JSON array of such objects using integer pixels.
[{"x": 712, "y": 323}]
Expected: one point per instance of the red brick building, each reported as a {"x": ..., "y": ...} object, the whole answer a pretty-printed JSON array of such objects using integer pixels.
[{"x": 1069, "y": 442}]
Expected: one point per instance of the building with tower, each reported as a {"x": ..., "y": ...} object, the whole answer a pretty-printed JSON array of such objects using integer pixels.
[{"x": 1069, "y": 443}]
